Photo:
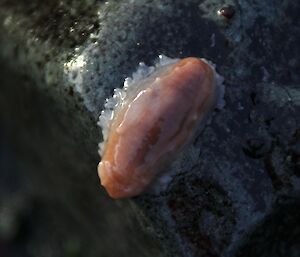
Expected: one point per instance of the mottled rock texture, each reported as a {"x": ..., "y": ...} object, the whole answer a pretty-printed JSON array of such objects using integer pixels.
[{"x": 235, "y": 189}]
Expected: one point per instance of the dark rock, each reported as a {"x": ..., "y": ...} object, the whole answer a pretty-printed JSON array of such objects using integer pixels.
[{"x": 235, "y": 188}]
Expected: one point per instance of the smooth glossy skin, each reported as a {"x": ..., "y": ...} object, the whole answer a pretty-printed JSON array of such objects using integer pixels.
[{"x": 148, "y": 132}]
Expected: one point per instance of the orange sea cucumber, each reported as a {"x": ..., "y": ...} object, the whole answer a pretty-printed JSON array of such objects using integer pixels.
[{"x": 149, "y": 121}]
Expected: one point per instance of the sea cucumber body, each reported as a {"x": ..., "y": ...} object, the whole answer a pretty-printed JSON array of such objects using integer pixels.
[{"x": 149, "y": 129}]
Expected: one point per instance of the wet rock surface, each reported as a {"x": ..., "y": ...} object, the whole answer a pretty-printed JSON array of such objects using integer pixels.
[{"x": 234, "y": 190}]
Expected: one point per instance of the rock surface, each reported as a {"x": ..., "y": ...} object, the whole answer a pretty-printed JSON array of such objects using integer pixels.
[{"x": 235, "y": 188}]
